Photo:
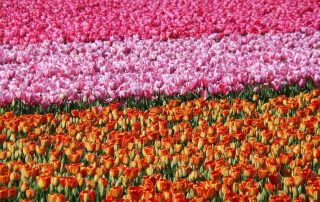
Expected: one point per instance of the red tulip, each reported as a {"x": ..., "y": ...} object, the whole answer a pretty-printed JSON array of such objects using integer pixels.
[
  {"x": 271, "y": 188},
  {"x": 280, "y": 198},
  {"x": 215, "y": 175},
  {"x": 3, "y": 193},
  {"x": 274, "y": 178},
  {"x": 135, "y": 193}
]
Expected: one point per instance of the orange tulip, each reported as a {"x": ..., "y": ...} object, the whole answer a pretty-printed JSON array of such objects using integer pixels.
[
  {"x": 313, "y": 192},
  {"x": 30, "y": 193},
  {"x": 249, "y": 171},
  {"x": 230, "y": 153},
  {"x": 179, "y": 186},
  {"x": 196, "y": 160},
  {"x": 263, "y": 173},
  {"x": 115, "y": 192},
  {"x": 71, "y": 182},
  {"x": 179, "y": 197},
  {"x": 163, "y": 185},
  {"x": 285, "y": 159},
  {"x": 43, "y": 182},
  {"x": 74, "y": 158},
  {"x": 148, "y": 183},
  {"x": 26, "y": 200},
  {"x": 56, "y": 198},
  {"x": 271, "y": 188},
  {"x": 103, "y": 182},
  {"x": 3, "y": 155},
  {"x": 114, "y": 172},
  {"x": 252, "y": 190},
  {"x": 215, "y": 175},
  {"x": 107, "y": 161},
  {"x": 87, "y": 196},
  {"x": 300, "y": 199},
  {"x": 304, "y": 174},
  {"x": 91, "y": 157},
  {"x": 148, "y": 151},
  {"x": 282, "y": 198},
  {"x": 2, "y": 138},
  {"x": 235, "y": 172},
  {"x": 24, "y": 187},
  {"x": 231, "y": 197},
  {"x": 228, "y": 180}
]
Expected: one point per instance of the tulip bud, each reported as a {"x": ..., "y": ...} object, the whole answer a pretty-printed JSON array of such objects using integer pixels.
[
  {"x": 255, "y": 97},
  {"x": 200, "y": 144},
  {"x": 178, "y": 148},
  {"x": 294, "y": 191},
  {"x": 30, "y": 193},
  {"x": 149, "y": 171},
  {"x": 3, "y": 155},
  {"x": 81, "y": 181},
  {"x": 190, "y": 194},
  {"x": 174, "y": 161},
  {"x": 164, "y": 160},
  {"x": 14, "y": 177},
  {"x": 24, "y": 187},
  {"x": 194, "y": 176}
]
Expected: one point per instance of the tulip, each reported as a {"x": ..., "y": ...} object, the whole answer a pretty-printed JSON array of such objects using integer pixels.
[
  {"x": 74, "y": 158},
  {"x": 15, "y": 176},
  {"x": 179, "y": 186},
  {"x": 115, "y": 192},
  {"x": 163, "y": 185},
  {"x": 87, "y": 196},
  {"x": 135, "y": 193},
  {"x": 194, "y": 176},
  {"x": 43, "y": 182},
  {"x": 56, "y": 197},
  {"x": 30, "y": 193},
  {"x": 228, "y": 180},
  {"x": 3, "y": 193},
  {"x": 3, "y": 155},
  {"x": 284, "y": 198},
  {"x": 249, "y": 171},
  {"x": 313, "y": 192},
  {"x": 271, "y": 188}
]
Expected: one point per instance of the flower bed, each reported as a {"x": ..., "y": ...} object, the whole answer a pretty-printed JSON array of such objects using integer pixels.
[
  {"x": 25, "y": 21},
  {"x": 193, "y": 150},
  {"x": 52, "y": 73},
  {"x": 159, "y": 100}
]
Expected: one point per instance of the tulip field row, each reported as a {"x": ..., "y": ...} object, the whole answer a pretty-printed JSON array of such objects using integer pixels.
[
  {"x": 25, "y": 21},
  {"x": 53, "y": 73},
  {"x": 197, "y": 150}
]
